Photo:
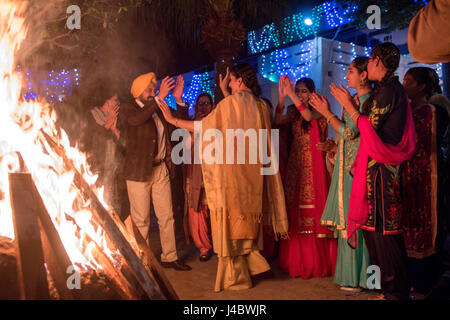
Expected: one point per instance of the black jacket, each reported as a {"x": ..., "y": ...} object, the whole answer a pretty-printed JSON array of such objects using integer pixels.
[{"x": 142, "y": 139}]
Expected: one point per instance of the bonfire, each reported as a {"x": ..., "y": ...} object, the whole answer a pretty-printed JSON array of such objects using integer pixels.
[{"x": 32, "y": 145}]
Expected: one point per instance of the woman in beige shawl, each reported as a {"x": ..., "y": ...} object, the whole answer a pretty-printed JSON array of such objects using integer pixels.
[{"x": 237, "y": 191}]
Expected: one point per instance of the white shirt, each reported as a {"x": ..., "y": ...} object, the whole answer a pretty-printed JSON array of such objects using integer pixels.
[{"x": 160, "y": 130}]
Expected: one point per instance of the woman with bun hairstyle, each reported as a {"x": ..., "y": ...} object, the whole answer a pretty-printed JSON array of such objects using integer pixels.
[{"x": 237, "y": 193}]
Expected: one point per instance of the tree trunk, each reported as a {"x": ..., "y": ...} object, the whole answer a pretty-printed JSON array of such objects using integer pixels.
[{"x": 222, "y": 35}]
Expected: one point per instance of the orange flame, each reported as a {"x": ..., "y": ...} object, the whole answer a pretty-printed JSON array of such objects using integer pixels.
[{"x": 20, "y": 131}]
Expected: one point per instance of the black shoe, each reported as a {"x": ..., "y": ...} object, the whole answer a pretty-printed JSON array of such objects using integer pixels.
[
  {"x": 263, "y": 276},
  {"x": 205, "y": 256},
  {"x": 177, "y": 265}
]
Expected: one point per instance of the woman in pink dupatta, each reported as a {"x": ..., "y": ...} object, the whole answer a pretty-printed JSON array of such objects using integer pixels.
[
  {"x": 388, "y": 138},
  {"x": 311, "y": 250}
]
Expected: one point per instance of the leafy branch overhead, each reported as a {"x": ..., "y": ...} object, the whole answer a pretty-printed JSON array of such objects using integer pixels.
[
  {"x": 188, "y": 22},
  {"x": 48, "y": 32}
]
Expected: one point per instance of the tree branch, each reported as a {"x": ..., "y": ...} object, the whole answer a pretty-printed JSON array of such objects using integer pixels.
[
  {"x": 49, "y": 5},
  {"x": 64, "y": 46},
  {"x": 58, "y": 37}
]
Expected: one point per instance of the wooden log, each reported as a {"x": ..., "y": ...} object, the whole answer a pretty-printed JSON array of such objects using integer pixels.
[
  {"x": 122, "y": 286},
  {"x": 110, "y": 225},
  {"x": 160, "y": 276},
  {"x": 55, "y": 266},
  {"x": 32, "y": 275},
  {"x": 55, "y": 254},
  {"x": 126, "y": 271}
]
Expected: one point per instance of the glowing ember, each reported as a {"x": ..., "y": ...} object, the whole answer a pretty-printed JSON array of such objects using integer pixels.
[{"x": 21, "y": 127}]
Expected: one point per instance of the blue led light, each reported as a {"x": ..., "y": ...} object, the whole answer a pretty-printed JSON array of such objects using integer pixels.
[
  {"x": 56, "y": 84},
  {"x": 297, "y": 27},
  {"x": 200, "y": 82}
]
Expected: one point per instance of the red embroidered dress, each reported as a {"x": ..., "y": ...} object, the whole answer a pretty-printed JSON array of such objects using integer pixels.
[
  {"x": 309, "y": 251},
  {"x": 420, "y": 182}
]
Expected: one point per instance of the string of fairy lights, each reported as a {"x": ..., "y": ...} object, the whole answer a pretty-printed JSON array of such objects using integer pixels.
[
  {"x": 200, "y": 82},
  {"x": 299, "y": 26},
  {"x": 276, "y": 63},
  {"x": 55, "y": 88},
  {"x": 328, "y": 15},
  {"x": 336, "y": 16},
  {"x": 271, "y": 65}
]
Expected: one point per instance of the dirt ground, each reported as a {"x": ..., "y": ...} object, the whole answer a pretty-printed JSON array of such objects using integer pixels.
[{"x": 198, "y": 283}]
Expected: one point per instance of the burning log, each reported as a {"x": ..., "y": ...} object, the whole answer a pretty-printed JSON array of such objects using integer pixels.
[
  {"x": 123, "y": 287},
  {"x": 160, "y": 277},
  {"x": 30, "y": 258},
  {"x": 115, "y": 230},
  {"x": 55, "y": 260},
  {"x": 22, "y": 125},
  {"x": 55, "y": 255}
]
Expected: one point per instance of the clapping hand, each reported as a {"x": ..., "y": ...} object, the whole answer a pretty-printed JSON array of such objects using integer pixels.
[
  {"x": 111, "y": 120},
  {"x": 282, "y": 89},
  {"x": 111, "y": 108},
  {"x": 111, "y": 105},
  {"x": 287, "y": 86},
  {"x": 167, "y": 84},
  {"x": 178, "y": 90},
  {"x": 320, "y": 103},
  {"x": 223, "y": 83},
  {"x": 344, "y": 97}
]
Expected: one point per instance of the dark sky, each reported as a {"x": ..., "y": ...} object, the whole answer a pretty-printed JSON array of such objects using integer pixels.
[
  {"x": 139, "y": 48},
  {"x": 168, "y": 57}
]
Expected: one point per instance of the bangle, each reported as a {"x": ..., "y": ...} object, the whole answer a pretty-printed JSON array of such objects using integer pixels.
[
  {"x": 354, "y": 114},
  {"x": 301, "y": 107},
  {"x": 331, "y": 117}
]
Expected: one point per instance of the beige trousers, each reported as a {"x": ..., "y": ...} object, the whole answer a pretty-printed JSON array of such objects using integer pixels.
[{"x": 156, "y": 189}]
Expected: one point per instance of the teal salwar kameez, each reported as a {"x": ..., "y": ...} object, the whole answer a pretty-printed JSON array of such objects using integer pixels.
[{"x": 351, "y": 264}]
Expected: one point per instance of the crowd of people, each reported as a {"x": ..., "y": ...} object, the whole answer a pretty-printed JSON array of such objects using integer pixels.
[{"x": 376, "y": 195}]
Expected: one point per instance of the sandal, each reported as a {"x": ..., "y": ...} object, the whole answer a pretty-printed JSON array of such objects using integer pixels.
[{"x": 205, "y": 256}]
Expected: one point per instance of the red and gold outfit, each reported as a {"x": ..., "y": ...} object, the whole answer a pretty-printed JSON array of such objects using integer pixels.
[
  {"x": 420, "y": 182},
  {"x": 309, "y": 251}
]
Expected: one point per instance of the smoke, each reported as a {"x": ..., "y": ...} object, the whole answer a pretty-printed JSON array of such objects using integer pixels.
[
  {"x": 108, "y": 59},
  {"x": 39, "y": 15}
]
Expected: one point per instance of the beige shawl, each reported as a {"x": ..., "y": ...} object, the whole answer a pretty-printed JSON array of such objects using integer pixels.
[{"x": 240, "y": 190}]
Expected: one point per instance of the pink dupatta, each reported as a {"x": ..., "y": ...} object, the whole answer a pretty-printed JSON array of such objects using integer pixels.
[{"x": 371, "y": 145}]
